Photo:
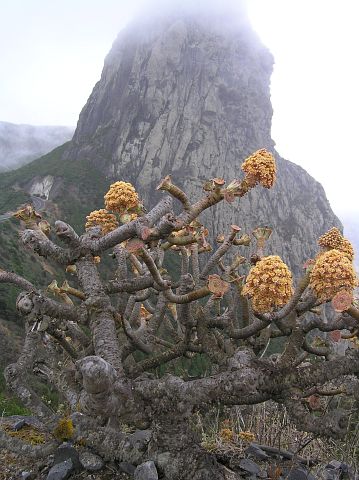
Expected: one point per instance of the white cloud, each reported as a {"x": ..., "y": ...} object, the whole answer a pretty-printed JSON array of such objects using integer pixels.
[{"x": 314, "y": 88}]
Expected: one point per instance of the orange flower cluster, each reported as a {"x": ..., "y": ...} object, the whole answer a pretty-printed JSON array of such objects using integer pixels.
[
  {"x": 269, "y": 283},
  {"x": 334, "y": 239},
  {"x": 28, "y": 215},
  {"x": 246, "y": 435},
  {"x": 121, "y": 196},
  {"x": 331, "y": 239},
  {"x": 226, "y": 434},
  {"x": 332, "y": 272},
  {"x": 260, "y": 168},
  {"x": 102, "y": 218},
  {"x": 347, "y": 248}
]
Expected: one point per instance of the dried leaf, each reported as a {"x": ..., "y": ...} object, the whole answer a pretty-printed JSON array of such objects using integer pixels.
[
  {"x": 134, "y": 245},
  {"x": 342, "y": 301},
  {"x": 217, "y": 286},
  {"x": 145, "y": 232},
  {"x": 314, "y": 402},
  {"x": 335, "y": 335}
]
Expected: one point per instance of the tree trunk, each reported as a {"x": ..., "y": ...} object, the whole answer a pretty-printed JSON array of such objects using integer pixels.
[{"x": 177, "y": 452}]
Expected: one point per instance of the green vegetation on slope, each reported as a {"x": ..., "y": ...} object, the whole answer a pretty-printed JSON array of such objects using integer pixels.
[{"x": 80, "y": 189}]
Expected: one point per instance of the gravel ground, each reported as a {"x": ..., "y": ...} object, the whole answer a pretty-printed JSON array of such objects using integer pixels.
[{"x": 12, "y": 465}]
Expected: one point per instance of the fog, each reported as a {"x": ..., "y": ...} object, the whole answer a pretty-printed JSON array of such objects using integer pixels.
[
  {"x": 19, "y": 144},
  {"x": 152, "y": 8}
]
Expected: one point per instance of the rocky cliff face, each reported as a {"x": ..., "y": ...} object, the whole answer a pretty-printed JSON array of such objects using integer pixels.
[{"x": 191, "y": 98}]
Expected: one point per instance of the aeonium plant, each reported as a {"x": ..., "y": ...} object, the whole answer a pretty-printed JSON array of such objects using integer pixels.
[{"x": 100, "y": 341}]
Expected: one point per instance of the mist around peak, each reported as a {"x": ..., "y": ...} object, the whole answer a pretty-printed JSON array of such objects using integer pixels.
[{"x": 233, "y": 11}]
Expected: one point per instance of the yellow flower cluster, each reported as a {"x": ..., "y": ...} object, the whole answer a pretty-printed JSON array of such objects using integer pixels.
[
  {"x": 269, "y": 283},
  {"x": 102, "y": 218},
  {"x": 334, "y": 239},
  {"x": 332, "y": 272},
  {"x": 248, "y": 436},
  {"x": 260, "y": 168},
  {"x": 331, "y": 239},
  {"x": 121, "y": 196},
  {"x": 226, "y": 434},
  {"x": 64, "y": 429},
  {"x": 347, "y": 248}
]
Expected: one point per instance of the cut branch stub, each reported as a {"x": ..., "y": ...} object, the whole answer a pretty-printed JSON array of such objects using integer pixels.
[
  {"x": 45, "y": 227},
  {"x": 24, "y": 303},
  {"x": 218, "y": 182},
  {"x": 244, "y": 240},
  {"x": 208, "y": 186},
  {"x": 217, "y": 286},
  {"x": 71, "y": 269},
  {"x": 53, "y": 287},
  {"x": 60, "y": 292},
  {"x": 66, "y": 288},
  {"x": 164, "y": 183}
]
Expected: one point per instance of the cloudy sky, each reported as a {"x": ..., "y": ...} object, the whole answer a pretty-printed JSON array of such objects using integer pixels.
[{"x": 52, "y": 54}]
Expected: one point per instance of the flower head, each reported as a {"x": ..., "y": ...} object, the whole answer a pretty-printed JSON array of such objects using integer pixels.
[
  {"x": 331, "y": 239},
  {"x": 28, "y": 215},
  {"x": 347, "y": 248},
  {"x": 102, "y": 218},
  {"x": 227, "y": 435},
  {"x": 246, "y": 435},
  {"x": 121, "y": 196},
  {"x": 332, "y": 272},
  {"x": 260, "y": 168},
  {"x": 269, "y": 283},
  {"x": 334, "y": 239}
]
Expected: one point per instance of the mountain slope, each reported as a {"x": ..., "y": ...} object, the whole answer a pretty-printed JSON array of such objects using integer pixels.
[
  {"x": 181, "y": 96},
  {"x": 19, "y": 144},
  {"x": 190, "y": 97},
  {"x": 76, "y": 190}
]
